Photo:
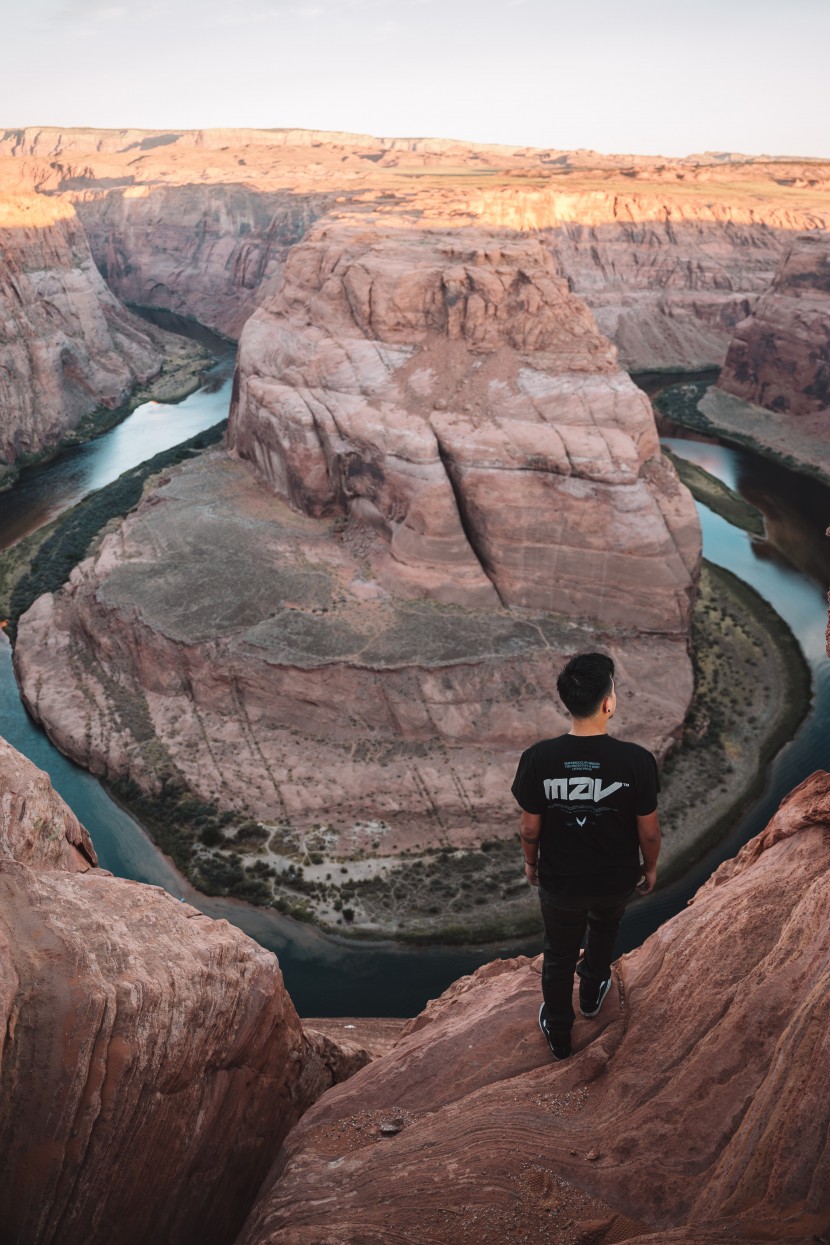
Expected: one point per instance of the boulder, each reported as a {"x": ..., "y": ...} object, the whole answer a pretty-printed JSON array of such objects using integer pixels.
[{"x": 152, "y": 1060}]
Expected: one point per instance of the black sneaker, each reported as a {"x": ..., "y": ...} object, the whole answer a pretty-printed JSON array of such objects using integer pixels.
[
  {"x": 560, "y": 1045},
  {"x": 591, "y": 996}
]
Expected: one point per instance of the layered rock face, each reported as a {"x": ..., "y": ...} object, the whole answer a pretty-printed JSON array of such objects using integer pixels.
[
  {"x": 669, "y": 254},
  {"x": 208, "y": 252},
  {"x": 453, "y": 394},
  {"x": 694, "y": 1109},
  {"x": 457, "y": 489},
  {"x": 152, "y": 1059},
  {"x": 68, "y": 346},
  {"x": 779, "y": 356}
]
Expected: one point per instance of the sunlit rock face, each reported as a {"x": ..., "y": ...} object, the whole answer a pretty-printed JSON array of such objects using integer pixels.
[
  {"x": 152, "y": 1060},
  {"x": 779, "y": 356},
  {"x": 670, "y": 254},
  {"x": 67, "y": 345},
  {"x": 694, "y": 1109},
  {"x": 451, "y": 392}
]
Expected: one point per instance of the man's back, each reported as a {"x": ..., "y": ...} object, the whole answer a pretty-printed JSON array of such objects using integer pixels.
[{"x": 590, "y": 790}]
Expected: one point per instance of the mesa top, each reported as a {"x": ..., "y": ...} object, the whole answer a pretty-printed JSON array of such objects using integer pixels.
[{"x": 590, "y": 790}]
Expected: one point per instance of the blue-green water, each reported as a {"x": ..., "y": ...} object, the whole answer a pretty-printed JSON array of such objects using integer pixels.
[{"x": 330, "y": 977}]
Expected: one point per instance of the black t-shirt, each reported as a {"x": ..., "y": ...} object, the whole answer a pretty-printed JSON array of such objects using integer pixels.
[{"x": 591, "y": 789}]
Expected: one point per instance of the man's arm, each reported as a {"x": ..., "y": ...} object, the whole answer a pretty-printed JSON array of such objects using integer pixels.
[
  {"x": 648, "y": 832},
  {"x": 530, "y": 829}
]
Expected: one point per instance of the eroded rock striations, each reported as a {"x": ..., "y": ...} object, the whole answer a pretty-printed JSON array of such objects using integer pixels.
[
  {"x": 669, "y": 254},
  {"x": 209, "y": 252},
  {"x": 450, "y": 392},
  {"x": 67, "y": 346},
  {"x": 457, "y": 487},
  {"x": 695, "y": 1108},
  {"x": 774, "y": 389},
  {"x": 152, "y": 1059},
  {"x": 779, "y": 356}
]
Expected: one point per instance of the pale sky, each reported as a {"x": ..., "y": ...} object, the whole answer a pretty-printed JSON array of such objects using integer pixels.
[{"x": 614, "y": 75}]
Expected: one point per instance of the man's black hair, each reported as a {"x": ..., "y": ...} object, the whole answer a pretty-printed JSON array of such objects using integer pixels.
[{"x": 585, "y": 682}]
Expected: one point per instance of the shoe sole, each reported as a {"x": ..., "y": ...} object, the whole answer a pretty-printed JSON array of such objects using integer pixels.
[
  {"x": 558, "y": 1058},
  {"x": 603, "y": 990}
]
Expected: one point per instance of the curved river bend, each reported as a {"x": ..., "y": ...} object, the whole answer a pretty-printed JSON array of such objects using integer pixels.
[{"x": 330, "y": 977}]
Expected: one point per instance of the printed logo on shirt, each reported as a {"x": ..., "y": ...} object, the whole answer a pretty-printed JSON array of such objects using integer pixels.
[{"x": 579, "y": 789}]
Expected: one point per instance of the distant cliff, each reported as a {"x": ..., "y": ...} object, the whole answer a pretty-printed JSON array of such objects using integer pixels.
[
  {"x": 67, "y": 346},
  {"x": 779, "y": 357},
  {"x": 774, "y": 389}
]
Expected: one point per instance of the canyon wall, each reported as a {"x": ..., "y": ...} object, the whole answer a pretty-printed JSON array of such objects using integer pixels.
[
  {"x": 695, "y": 1107},
  {"x": 667, "y": 276},
  {"x": 670, "y": 254},
  {"x": 211, "y": 253},
  {"x": 779, "y": 357},
  {"x": 152, "y": 1060},
  {"x": 67, "y": 344}
]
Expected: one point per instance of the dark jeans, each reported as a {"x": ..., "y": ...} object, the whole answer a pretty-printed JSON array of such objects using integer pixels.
[{"x": 570, "y": 923}]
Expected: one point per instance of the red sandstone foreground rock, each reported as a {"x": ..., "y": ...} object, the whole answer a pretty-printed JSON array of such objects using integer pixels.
[
  {"x": 67, "y": 346},
  {"x": 152, "y": 1060},
  {"x": 695, "y": 1109}
]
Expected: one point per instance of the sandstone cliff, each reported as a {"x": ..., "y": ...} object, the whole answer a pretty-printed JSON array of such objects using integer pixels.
[
  {"x": 774, "y": 388},
  {"x": 67, "y": 345},
  {"x": 695, "y": 1108},
  {"x": 152, "y": 1059},
  {"x": 779, "y": 357},
  {"x": 669, "y": 254},
  {"x": 208, "y": 252},
  {"x": 450, "y": 392}
]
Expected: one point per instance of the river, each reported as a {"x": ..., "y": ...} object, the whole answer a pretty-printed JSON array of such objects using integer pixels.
[{"x": 333, "y": 977}]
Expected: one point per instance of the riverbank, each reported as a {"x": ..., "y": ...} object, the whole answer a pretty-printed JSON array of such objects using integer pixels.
[
  {"x": 801, "y": 444},
  {"x": 718, "y": 496},
  {"x": 182, "y": 373},
  {"x": 42, "y": 561}
]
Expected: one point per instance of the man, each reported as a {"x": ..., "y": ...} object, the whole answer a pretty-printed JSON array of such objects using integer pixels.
[{"x": 589, "y": 807}]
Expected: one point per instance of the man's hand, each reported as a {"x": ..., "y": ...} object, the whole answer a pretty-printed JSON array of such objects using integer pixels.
[
  {"x": 648, "y": 832},
  {"x": 529, "y": 830}
]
